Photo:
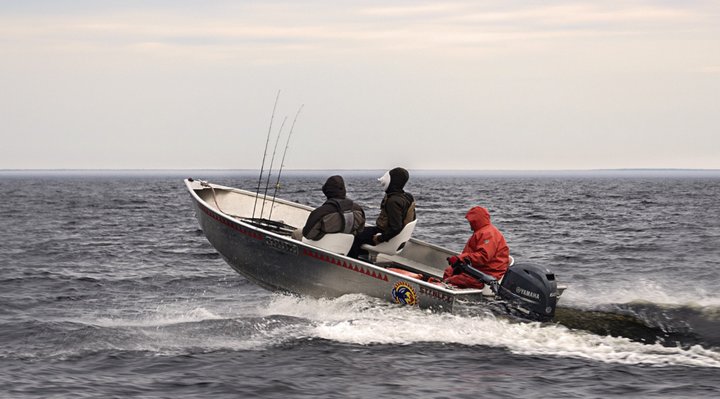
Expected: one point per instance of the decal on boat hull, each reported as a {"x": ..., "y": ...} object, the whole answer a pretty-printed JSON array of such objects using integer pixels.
[{"x": 404, "y": 293}]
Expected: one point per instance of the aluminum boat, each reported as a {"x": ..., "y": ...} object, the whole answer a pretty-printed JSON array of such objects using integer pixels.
[{"x": 404, "y": 270}]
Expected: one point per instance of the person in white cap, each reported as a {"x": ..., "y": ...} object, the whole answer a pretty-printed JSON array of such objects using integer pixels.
[{"x": 396, "y": 210}]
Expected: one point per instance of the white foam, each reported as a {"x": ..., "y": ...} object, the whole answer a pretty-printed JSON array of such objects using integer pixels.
[{"x": 359, "y": 320}]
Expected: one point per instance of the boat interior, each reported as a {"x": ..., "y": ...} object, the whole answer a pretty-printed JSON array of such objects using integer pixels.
[{"x": 403, "y": 254}]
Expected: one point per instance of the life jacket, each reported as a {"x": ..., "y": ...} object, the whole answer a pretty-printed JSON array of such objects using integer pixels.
[{"x": 347, "y": 215}]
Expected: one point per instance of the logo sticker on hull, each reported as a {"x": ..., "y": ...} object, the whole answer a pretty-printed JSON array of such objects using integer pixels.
[{"x": 404, "y": 293}]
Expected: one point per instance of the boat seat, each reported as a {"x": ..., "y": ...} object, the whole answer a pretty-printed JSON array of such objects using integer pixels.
[
  {"x": 339, "y": 243},
  {"x": 393, "y": 246}
]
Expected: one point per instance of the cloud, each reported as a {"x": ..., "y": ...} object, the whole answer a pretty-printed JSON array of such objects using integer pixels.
[
  {"x": 341, "y": 27},
  {"x": 546, "y": 79}
]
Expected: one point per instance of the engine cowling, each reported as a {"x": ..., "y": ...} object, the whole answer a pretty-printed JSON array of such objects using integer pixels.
[{"x": 532, "y": 289}]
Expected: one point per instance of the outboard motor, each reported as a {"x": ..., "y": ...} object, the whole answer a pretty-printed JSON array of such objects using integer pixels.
[{"x": 531, "y": 289}]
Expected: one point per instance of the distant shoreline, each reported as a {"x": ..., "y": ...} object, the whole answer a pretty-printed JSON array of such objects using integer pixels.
[{"x": 202, "y": 173}]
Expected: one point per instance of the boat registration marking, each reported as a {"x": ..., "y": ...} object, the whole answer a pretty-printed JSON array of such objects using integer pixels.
[
  {"x": 281, "y": 245},
  {"x": 435, "y": 294}
]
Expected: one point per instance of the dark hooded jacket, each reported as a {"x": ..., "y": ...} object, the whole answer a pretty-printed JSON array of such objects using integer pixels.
[
  {"x": 486, "y": 249},
  {"x": 397, "y": 207},
  {"x": 337, "y": 215}
]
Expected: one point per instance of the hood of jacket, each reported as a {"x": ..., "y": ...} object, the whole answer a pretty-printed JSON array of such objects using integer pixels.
[
  {"x": 334, "y": 187},
  {"x": 398, "y": 178},
  {"x": 478, "y": 217}
]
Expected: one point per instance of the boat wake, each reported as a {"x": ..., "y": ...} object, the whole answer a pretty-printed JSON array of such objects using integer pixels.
[
  {"x": 635, "y": 334},
  {"x": 356, "y": 319},
  {"x": 644, "y": 311}
]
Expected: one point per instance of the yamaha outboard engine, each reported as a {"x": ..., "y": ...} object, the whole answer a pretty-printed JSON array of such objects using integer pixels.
[{"x": 531, "y": 289}]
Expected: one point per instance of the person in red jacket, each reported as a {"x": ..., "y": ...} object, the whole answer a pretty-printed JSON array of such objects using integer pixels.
[{"x": 486, "y": 250}]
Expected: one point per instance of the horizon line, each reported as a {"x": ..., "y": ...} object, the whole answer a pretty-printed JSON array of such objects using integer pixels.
[{"x": 352, "y": 170}]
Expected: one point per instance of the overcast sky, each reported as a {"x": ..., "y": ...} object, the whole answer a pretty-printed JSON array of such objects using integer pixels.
[{"x": 518, "y": 85}]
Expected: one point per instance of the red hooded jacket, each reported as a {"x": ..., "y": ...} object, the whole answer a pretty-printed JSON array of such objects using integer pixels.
[{"x": 486, "y": 249}]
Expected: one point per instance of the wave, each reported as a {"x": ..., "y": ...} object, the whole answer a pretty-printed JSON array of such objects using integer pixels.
[
  {"x": 669, "y": 325},
  {"x": 597, "y": 291},
  {"x": 644, "y": 310},
  {"x": 172, "y": 332}
]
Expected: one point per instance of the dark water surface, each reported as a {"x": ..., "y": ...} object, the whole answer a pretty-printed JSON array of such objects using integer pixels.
[{"x": 109, "y": 289}]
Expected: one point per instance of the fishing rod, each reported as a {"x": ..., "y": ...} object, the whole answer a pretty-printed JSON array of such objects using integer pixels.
[
  {"x": 267, "y": 184},
  {"x": 262, "y": 166},
  {"x": 282, "y": 163}
]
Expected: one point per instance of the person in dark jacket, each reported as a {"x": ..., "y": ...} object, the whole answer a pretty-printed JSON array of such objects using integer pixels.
[
  {"x": 396, "y": 210},
  {"x": 486, "y": 250},
  {"x": 337, "y": 215}
]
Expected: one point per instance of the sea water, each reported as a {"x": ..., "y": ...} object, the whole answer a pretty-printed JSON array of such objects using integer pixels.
[{"x": 108, "y": 288}]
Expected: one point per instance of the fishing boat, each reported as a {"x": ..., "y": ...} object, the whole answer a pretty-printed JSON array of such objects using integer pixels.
[{"x": 403, "y": 270}]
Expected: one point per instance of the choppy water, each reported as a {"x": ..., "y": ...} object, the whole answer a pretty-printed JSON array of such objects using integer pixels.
[{"x": 109, "y": 289}]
